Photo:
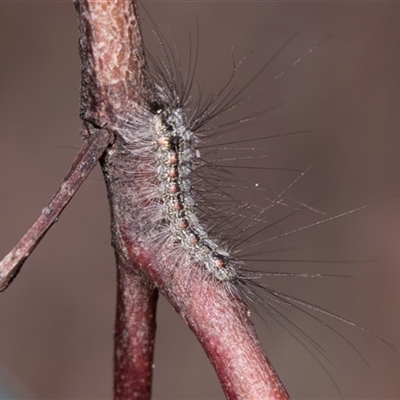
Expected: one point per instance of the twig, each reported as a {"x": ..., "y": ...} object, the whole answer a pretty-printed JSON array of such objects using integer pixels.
[
  {"x": 115, "y": 74},
  {"x": 86, "y": 159},
  {"x": 135, "y": 329}
]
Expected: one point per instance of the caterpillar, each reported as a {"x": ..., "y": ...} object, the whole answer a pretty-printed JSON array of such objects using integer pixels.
[{"x": 186, "y": 188}]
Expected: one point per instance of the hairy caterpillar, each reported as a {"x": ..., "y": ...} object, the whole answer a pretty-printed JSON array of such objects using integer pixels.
[
  {"x": 164, "y": 140},
  {"x": 273, "y": 184}
]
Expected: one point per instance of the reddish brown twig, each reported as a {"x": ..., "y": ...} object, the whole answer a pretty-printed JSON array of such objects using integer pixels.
[
  {"x": 134, "y": 333},
  {"x": 114, "y": 74},
  {"x": 219, "y": 320}
]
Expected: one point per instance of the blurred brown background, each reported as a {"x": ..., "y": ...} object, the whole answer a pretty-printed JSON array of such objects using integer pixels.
[{"x": 56, "y": 320}]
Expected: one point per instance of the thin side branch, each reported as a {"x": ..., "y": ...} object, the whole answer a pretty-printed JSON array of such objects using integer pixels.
[{"x": 86, "y": 159}]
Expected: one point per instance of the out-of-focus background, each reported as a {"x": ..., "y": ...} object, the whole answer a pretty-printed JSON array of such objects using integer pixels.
[{"x": 56, "y": 319}]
